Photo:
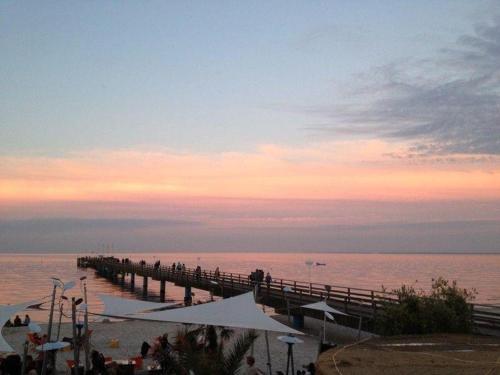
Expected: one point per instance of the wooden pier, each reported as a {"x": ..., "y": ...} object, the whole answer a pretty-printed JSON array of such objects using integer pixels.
[{"x": 281, "y": 294}]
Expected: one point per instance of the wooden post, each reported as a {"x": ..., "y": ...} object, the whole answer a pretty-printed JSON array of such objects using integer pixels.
[
  {"x": 145, "y": 286},
  {"x": 132, "y": 280},
  {"x": 162, "y": 290}
]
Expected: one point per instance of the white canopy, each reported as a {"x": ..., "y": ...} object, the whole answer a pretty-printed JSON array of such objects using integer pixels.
[
  {"x": 322, "y": 306},
  {"x": 123, "y": 307},
  {"x": 7, "y": 311},
  {"x": 237, "y": 312}
]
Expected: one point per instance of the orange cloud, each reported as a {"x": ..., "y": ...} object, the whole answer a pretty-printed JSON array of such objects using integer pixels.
[{"x": 338, "y": 170}]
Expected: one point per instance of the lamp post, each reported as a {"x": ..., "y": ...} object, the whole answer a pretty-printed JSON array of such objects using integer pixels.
[
  {"x": 287, "y": 290},
  {"x": 57, "y": 283},
  {"x": 309, "y": 264},
  {"x": 221, "y": 285},
  {"x": 76, "y": 337},
  {"x": 83, "y": 281}
]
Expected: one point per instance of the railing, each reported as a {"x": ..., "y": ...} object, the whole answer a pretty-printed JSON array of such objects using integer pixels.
[{"x": 355, "y": 301}]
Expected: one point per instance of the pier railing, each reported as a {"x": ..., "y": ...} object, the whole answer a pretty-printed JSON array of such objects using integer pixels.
[{"x": 354, "y": 301}]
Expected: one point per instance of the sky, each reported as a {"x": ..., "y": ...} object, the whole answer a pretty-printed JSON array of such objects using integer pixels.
[{"x": 365, "y": 126}]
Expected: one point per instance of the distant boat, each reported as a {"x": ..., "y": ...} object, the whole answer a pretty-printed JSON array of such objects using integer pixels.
[{"x": 320, "y": 264}]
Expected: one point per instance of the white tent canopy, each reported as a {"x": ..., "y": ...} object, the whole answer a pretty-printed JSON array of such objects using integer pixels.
[
  {"x": 322, "y": 306},
  {"x": 7, "y": 311},
  {"x": 237, "y": 312},
  {"x": 123, "y": 307}
]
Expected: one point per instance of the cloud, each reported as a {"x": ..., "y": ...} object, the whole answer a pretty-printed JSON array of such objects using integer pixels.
[
  {"x": 454, "y": 236},
  {"x": 328, "y": 170},
  {"x": 446, "y": 106}
]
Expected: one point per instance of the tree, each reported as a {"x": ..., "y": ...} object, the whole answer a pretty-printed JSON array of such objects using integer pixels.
[{"x": 207, "y": 350}]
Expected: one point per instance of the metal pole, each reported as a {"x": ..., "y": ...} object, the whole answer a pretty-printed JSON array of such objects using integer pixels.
[
  {"x": 49, "y": 330},
  {"x": 269, "y": 366},
  {"x": 324, "y": 326},
  {"x": 60, "y": 319},
  {"x": 75, "y": 339},
  {"x": 288, "y": 308},
  {"x": 86, "y": 327},
  {"x": 25, "y": 355}
]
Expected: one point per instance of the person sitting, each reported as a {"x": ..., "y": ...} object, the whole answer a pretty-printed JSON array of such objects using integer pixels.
[
  {"x": 251, "y": 368},
  {"x": 17, "y": 321},
  {"x": 145, "y": 349},
  {"x": 12, "y": 365},
  {"x": 311, "y": 368},
  {"x": 30, "y": 366},
  {"x": 98, "y": 363},
  {"x": 8, "y": 323},
  {"x": 27, "y": 320}
]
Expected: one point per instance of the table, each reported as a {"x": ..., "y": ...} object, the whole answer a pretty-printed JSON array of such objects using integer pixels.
[{"x": 123, "y": 366}]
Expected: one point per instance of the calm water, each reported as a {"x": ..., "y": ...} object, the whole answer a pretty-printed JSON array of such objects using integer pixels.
[{"x": 26, "y": 277}]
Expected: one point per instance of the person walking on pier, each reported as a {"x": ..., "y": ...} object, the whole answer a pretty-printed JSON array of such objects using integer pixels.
[{"x": 269, "y": 280}]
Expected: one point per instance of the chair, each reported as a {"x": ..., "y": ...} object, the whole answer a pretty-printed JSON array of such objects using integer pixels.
[{"x": 138, "y": 362}]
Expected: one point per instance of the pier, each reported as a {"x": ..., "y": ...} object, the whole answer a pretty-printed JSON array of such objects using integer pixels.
[{"x": 281, "y": 294}]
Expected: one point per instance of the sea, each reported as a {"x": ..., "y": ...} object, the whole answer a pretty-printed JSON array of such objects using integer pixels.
[{"x": 26, "y": 277}]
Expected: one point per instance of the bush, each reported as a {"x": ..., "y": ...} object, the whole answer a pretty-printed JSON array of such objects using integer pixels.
[{"x": 445, "y": 309}]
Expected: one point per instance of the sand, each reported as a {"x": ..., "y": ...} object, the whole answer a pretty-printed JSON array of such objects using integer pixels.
[
  {"x": 426, "y": 354},
  {"x": 131, "y": 334}
]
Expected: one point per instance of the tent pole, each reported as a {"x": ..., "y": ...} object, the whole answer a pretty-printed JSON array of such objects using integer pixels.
[
  {"x": 269, "y": 367},
  {"x": 25, "y": 355},
  {"x": 324, "y": 326},
  {"x": 49, "y": 329}
]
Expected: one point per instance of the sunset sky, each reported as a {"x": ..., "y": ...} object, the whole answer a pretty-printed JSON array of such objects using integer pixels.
[{"x": 250, "y": 126}]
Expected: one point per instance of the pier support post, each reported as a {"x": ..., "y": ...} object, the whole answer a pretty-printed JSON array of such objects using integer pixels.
[
  {"x": 188, "y": 299},
  {"x": 145, "y": 286},
  {"x": 162, "y": 290},
  {"x": 122, "y": 278},
  {"x": 132, "y": 281}
]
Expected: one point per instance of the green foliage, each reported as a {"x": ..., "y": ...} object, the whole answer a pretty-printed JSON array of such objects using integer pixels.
[
  {"x": 445, "y": 309},
  {"x": 207, "y": 350}
]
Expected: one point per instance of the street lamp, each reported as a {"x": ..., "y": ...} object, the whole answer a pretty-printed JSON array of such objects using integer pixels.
[
  {"x": 221, "y": 285},
  {"x": 56, "y": 283},
  {"x": 309, "y": 264},
  {"x": 287, "y": 290},
  {"x": 83, "y": 284}
]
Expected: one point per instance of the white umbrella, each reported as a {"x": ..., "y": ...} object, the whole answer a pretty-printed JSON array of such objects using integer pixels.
[{"x": 323, "y": 306}]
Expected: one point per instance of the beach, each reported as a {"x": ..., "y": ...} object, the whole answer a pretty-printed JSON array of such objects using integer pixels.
[{"x": 132, "y": 333}]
